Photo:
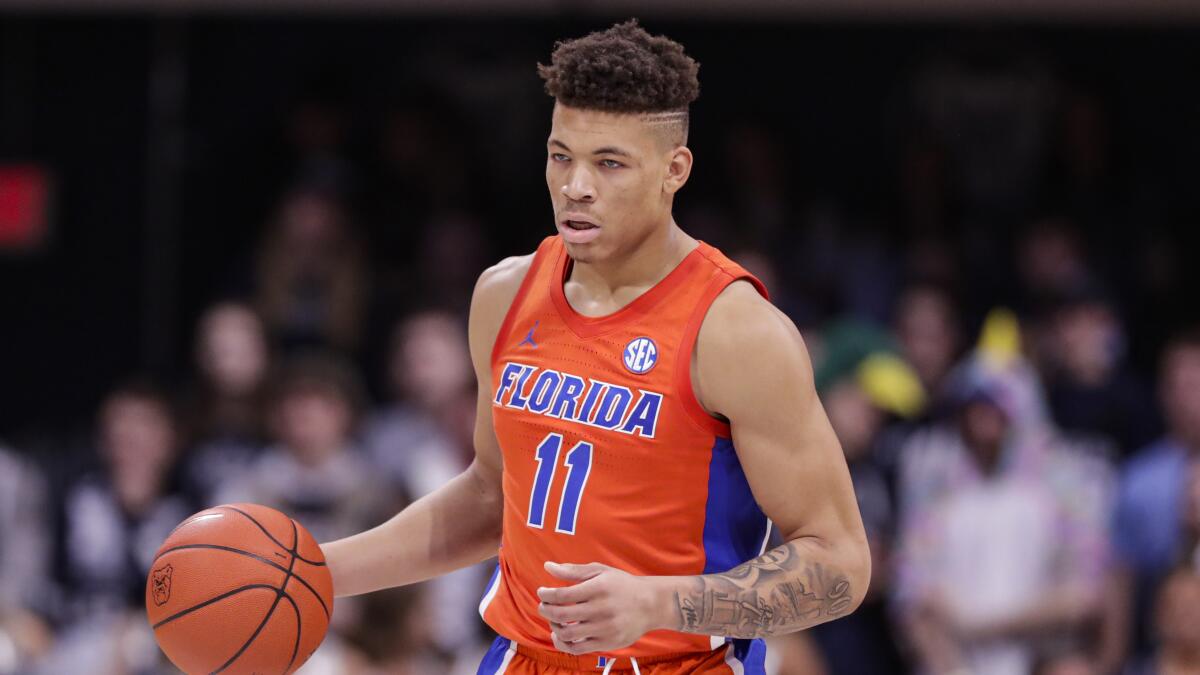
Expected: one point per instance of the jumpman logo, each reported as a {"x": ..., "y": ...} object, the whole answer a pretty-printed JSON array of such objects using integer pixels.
[{"x": 529, "y": 336}]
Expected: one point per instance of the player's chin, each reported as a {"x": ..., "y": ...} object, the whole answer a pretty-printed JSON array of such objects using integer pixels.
[{"x": 590, "y": 252}]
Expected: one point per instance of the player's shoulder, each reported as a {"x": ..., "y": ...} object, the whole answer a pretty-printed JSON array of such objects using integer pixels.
[
  {"x": 494, "y": 293},
  {"x": 503, "y": 278},
  {"x": 744, "y": 340},
  {"x": 740, "y": 317}
]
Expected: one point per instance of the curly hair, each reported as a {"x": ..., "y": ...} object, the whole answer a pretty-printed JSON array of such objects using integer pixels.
[{"x": 623, "y": 69}]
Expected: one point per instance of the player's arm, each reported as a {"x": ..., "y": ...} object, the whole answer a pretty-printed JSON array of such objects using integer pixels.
[
  {"x": 752, "y": 368},
  {"x": 458, "y": 524}
]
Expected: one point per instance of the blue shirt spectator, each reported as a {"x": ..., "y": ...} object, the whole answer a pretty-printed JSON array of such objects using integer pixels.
[
  {"x": 1148, "y": 528},
  {"x": 1157, "y": 521}
]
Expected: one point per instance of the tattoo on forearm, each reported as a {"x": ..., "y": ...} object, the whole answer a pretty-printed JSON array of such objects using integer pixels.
[{"x": 774, "y": 593}]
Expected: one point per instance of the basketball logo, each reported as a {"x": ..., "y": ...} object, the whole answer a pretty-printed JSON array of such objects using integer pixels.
[
  {"x": 162, "y": 585},
  {"x": 640, "y": 355}
]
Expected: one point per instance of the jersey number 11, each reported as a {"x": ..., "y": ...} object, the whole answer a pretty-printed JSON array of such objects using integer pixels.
[{"x": 579, "y": 464}]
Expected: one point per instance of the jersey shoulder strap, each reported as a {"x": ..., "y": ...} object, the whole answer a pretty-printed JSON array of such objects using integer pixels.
[
  {"x": 543, "y": 260},
  {"x": 721, "y": 274}
]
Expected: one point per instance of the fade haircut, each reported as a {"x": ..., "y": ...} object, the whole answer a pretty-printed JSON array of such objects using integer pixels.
[{"x": 626, "y": 70}]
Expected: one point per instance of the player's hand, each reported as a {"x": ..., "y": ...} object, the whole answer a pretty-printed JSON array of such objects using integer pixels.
[{"x": 604, "y": 610}]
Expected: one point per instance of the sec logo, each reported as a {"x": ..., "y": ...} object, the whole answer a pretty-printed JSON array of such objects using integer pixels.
[{"x": 640, "y": 355}]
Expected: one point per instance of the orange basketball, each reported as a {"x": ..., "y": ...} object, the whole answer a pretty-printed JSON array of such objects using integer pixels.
[{"x": 239, "y": 588}]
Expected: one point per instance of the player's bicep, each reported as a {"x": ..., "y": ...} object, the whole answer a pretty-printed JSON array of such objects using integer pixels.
[{"x": 756, "y": 372}]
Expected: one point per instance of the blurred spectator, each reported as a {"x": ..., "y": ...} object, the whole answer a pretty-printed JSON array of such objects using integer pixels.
[
  {"x": 317, "y": 133},
  {"x": 23, "y": 558},
  {"x": 312, "y": 281},
  {"x": 1157, "y": 523},
  {"x": 1003, "y": 545},
  {"x": 1066, "y": 663},
  {"x": 859, "y": 402},
  {"x": 429, "y": 373},
  {"x": 831, "y": 242},
  {"x": 226, "y": 425},
  {"x": 112, "y": 524},
  {"x": 1176, "y": 626},
  {"x": 396, "y": 635},
  {"x": 315, "y": 472},
  {"x": 763, "y": 266},
  {"x": 452, "y": 252},
  {"x": 1089, "y": 387},
  {"x": 423, "y": 438},
  {"x": 232, "y": 363},
  {"x": 420, "y": 183},
  {"x": 420, "y": 145},
  {"x": 1051, "y": 262},
  {"x": 114, "y": 521},
  {"x": 757, "y": 182},
  {"x": 926, "y": 326}
]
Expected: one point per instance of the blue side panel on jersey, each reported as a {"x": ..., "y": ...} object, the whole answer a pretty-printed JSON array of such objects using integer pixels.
[
  {"x": 752, "y": 654},
  {"x": 734, "y": 525},
  {"x": 494, "y": 658}
]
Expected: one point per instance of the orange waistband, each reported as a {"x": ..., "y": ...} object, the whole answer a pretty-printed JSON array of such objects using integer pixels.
[{"x": 592, "y": 661}]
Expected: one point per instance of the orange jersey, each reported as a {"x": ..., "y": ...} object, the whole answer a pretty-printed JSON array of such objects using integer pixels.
[{"x": 608, "y": 456}]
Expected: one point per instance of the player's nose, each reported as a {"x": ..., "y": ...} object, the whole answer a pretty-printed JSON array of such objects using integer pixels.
[{"x": 579, "y": 187}]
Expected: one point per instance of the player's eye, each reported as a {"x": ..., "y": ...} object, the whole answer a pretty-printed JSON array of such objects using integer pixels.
[
  {"x": 611, "y": 164},
  {"x": 559, "y": 157}
]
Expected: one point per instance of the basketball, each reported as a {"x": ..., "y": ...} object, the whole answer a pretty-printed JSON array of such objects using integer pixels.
[{"x": 239, "y": 588}]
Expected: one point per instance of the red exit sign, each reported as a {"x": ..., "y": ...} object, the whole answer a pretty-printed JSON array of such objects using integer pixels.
[{"x": 24, "y": 206}]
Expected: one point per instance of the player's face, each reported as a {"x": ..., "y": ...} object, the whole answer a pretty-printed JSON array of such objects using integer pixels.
[{"x": 611, "y": 179}]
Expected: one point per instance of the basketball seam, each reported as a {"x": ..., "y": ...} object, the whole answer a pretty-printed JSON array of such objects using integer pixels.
[
  {"x": 206, "y": 603},
  {"x": 257, "y": 557},
  {"x": 294, "y": 550},
  {"x": 299, "y": 624},
  {"x": 279, "y": 593}
]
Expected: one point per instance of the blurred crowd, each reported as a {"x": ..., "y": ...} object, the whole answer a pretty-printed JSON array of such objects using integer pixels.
[{"x": 997, "y": 349}]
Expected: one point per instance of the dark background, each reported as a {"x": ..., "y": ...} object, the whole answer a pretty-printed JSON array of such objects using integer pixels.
[{"x": 162, "y": 186}]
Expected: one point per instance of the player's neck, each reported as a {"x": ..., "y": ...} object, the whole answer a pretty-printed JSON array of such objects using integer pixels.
[{"x": 647, "y": 265}]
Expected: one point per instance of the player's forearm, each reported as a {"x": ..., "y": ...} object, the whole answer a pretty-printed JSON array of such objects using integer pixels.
[
  {"x": 455, "y": 526},
  {"x": 792, "y": 587}
]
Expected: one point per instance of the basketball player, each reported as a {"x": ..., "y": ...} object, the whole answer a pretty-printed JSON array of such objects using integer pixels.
[{"x": 645, "y": 415}]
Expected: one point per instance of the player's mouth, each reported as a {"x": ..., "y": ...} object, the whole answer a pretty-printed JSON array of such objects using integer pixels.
[{"x": 576, "y": 229}]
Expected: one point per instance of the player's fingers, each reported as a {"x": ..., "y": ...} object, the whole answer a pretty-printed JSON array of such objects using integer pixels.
[
  {"x": 567, "y": 594},
  {"x": 574, "y": 634},
  {"x": 569, "y": 648},
  {"x": 566, "y": 613}
]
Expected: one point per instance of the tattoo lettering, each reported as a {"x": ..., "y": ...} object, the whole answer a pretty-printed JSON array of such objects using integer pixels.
[{"x": 774, "y": 593}]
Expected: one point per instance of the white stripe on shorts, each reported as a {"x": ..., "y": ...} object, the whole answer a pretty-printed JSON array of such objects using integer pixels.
[{"x": 508, "y": 657}]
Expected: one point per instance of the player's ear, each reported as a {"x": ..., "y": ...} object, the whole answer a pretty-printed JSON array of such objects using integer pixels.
[{"x": 679, "y": 167}]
